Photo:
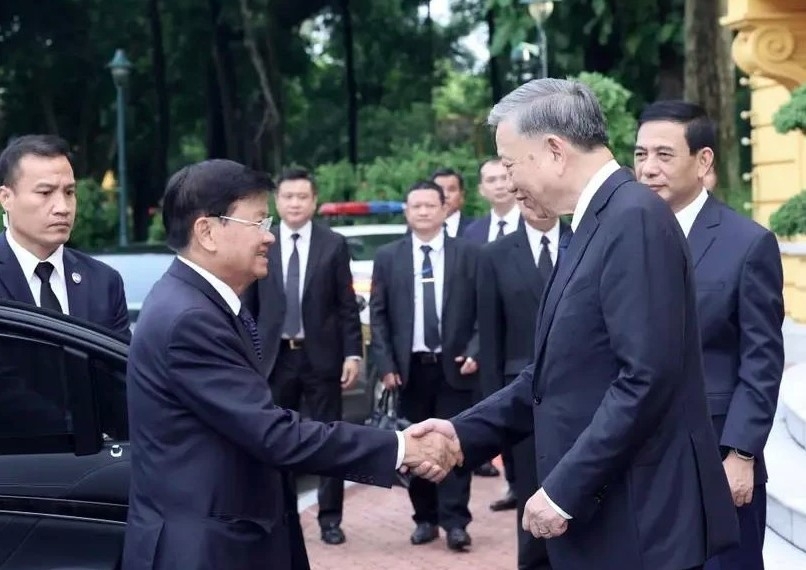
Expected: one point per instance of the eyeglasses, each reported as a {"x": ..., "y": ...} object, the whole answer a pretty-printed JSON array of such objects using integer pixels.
[{"x": 263, "y": 225}]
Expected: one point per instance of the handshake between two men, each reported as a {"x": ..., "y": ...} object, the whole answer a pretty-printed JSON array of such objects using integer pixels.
[{"x": 433, "y": 449}]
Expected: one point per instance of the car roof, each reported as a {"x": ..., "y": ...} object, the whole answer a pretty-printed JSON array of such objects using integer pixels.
[{"x": 370, "y": 229}]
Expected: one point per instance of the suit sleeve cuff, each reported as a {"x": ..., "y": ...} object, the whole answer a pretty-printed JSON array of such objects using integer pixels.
[
  {"x": 553, "y": 505},
  {"x": 401, "y": 449},
  {"x": 354, "y": 357}
]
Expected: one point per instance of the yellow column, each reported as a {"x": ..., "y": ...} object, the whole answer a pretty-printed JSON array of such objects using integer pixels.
[{"x": 770, "y": 46}]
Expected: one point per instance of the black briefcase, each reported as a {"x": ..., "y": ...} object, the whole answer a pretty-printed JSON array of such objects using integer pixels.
[{"x": 385, "y": 416}]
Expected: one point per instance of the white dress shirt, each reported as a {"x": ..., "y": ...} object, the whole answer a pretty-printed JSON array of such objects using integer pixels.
[
  {"x": 437, "y": 257},
  {"x": 234, "y": 303},
  {"x": 687, "y": 215},
  {"x": 452, "y": 223},
  {"x": 512, "y": 219},
  {"x": 227, "y": 293},
  {"x": 534, "y": 236},
  {"x": 303, "y": 248},
  {"x": 590, "y": 189},
  {"x": 28, "y": 262}
]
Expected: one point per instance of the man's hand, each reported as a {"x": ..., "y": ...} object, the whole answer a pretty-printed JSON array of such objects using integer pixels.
[
  {"x": 349, "y": 373},
  {"x": 469, "y": 365},
  {"x": 540, "y": 518},
  {"x": 391, "y": 381},
  {"x": 740, "y": 478},
  {"x": 432, "y": 449}
]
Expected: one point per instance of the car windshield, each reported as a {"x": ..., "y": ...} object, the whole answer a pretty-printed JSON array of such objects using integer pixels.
[
  {"x": 363, "y": 248},
  {"x": 139, "y": 272}
]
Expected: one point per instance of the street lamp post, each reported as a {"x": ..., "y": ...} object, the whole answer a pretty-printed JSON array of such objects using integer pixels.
[
  {"x": 540, "y": 10},
  {"x": 120, "y": 67}
]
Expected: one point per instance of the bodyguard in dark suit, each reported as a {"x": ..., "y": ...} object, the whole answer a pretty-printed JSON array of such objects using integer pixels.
[
  {"x": 495, "y": 186},
  {"x": 627, "y": 461},
  {"x": 210, "y": 451},
  {"x": 38, "y": 194},
  {"x": 307, "y": 317},
  {"x": 513, "y": 273},
  {"x": 424, "y": 342},
  {"x": 453, "y": 185},
  {"x": 739, "y": 281}
]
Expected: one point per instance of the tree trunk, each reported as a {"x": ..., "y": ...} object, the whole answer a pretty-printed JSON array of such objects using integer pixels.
[
  {"x": 349, "y": 76},
  {"x": 270, "y": 116},
  {"x": 224, "y": 65},
  {"x": 708, "y": 47},
  {"x": 494, "y": 65}
]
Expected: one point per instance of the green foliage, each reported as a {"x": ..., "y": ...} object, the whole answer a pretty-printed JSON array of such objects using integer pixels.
[
  {"x": 621, "y": 124},
  {"x": 790, "y": 219},
  {"x": 156, "y": 231},
  {"x": 96, "y": 223},
  {"x": 792, "y": 114},
  {"x": 388, "y": 177}
]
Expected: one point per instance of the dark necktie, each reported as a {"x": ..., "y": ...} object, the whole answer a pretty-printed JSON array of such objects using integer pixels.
[
  {"x": 47, "y": 298},
  {"x": 430, "y": 318},
  {"x": 544, "y": 265},
  {"x": 501, "y": 224},
  {"x": 251, "y": 326},
  {"x": 293, "y": 316},
  {"x": 562, "y": 247}
]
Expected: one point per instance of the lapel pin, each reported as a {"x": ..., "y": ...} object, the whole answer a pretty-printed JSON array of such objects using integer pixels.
[{"x": 76, "y": 278}]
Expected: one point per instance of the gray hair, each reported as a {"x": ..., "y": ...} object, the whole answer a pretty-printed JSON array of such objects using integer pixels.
[{"x": 565, "y": 108}]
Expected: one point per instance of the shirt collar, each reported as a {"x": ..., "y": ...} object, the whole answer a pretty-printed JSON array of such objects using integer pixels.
[
  {"x": 436, "y": 244},
  {"x": 688, "y": 215},
  {"x": 512, "y": 218},
  {"x": 28, "y": 261},
  {"x": 590, "y": 189},
  {"x": 304, "y": 232},
  {"x": 553, "y": 234},
  {"x": 226, "y": 292}
]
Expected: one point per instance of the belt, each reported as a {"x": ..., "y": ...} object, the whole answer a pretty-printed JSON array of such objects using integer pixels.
[
  {"x": 427, "y": 357},
  {"x": 293, "y": 343}
]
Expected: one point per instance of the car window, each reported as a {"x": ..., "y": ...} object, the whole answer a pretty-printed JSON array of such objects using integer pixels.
[
  {"x": 363, "y": 248},
  {"x": 33, "y": 389},
  {"x": 109, "y": 378}
]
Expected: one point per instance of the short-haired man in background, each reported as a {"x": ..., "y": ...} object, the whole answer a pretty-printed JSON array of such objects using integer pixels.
[{"x": 453, "y": 185}]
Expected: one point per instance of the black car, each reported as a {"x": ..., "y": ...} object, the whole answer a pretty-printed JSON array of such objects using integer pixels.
[{"x": 64, "y": 449}]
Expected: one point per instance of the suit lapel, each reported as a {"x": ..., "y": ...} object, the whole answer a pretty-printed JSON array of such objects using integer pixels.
[
  {"x": 703, "y": 232},
  {"x": 447, "y": 273},
  {"x": 525, "y": 262},
  {"x": 184, "y": 272},
  {"x": 11, "y": 274},
  {"x": 314, "y": 253},
  {"x": 405, "y": 273},
  {"x": 573, "y": 255},
  {"x": 78, "y": 286},
  {"x": 276, "y": 261}
]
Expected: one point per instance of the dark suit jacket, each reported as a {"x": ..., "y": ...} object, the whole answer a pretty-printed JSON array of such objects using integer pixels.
[
  {"x": 209, "y": 448},
  {"x": 464, "y": 223},
  {"x": 740, "y": 305},
  {"x": 509, "y": 293},
  {"x": 329, "y": 309},
  {"x": 391, "y": 305},
  {"x": 98, "y": 298},
  {"x": 616, "y": 396},
  {"x": 478, "y": 230}
]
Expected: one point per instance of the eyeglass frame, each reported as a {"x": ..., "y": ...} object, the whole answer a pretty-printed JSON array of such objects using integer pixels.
[{"x": 263, "y": 225}]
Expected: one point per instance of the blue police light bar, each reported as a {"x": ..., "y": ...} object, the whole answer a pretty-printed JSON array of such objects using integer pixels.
[{"x": 360, "y": 208}]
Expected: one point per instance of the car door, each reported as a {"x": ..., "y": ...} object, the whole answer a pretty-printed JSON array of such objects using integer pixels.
[{"x": 60, "y": 381}]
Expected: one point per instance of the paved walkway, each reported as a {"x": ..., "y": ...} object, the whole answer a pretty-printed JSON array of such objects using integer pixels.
[{"x": 378, "y": 523}]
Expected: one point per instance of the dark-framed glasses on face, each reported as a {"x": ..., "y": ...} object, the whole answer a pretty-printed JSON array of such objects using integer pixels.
[{"x": 263, "y": 225}]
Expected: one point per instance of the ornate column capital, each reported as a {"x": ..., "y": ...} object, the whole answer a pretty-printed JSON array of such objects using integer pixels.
[{"x": 771, "y": 44}]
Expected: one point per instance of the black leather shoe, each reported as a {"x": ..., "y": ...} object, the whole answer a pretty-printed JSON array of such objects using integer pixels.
[
  {"x": 332, "y": 534},
  {"x": 486, "y": 470},
  {"x": 424, "y": 533},
  {"x": 506, "y": 503},
  {"x": 458, "y": 539}
]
